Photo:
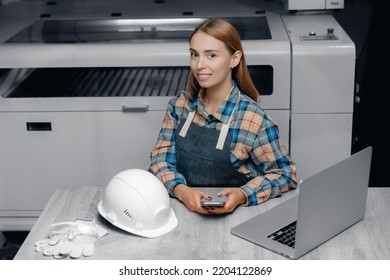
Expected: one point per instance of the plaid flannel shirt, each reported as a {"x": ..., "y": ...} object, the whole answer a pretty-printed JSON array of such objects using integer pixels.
[{"x": 256, "y": 148}]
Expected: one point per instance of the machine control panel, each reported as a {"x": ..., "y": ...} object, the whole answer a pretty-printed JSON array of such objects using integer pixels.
[
  {"x": 313, "y": 4},
  {"x": 312, "y": 36}
]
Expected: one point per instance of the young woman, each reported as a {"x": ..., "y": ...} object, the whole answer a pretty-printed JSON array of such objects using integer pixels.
[{"x": 215, "y": 134}]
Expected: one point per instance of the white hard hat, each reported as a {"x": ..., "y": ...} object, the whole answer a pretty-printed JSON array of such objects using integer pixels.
[{"x": 136, "y": 201}]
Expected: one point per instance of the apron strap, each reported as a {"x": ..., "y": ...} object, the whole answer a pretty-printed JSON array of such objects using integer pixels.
[
  {"x": 222, "y": 136},
  {"x": 186, "y": 125},
  {"x": 225, "y": 128}
]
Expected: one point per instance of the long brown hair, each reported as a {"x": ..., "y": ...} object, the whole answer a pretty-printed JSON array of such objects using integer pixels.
[{"x": 226, "y": 33}]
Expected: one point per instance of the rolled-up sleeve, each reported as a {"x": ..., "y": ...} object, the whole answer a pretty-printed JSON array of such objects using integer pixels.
[{"x": 276, "y": 172}]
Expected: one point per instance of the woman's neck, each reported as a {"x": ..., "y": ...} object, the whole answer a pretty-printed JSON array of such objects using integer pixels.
[{"x": 213, "y": 98}]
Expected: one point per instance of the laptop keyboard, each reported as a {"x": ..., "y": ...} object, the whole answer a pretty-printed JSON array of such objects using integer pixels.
[{"x": 285, "y": 235}]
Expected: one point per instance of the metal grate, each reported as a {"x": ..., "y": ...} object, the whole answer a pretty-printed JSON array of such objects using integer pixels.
[{"x": 102, "y": 82}]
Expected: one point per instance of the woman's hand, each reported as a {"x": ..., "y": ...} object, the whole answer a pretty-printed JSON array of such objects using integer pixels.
[
  {"x": 191, "y": 198},
  {"x": 234, "y": 198}
]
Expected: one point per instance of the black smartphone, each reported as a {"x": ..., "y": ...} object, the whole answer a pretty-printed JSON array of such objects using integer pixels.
[{"x": 206, "y": 203}]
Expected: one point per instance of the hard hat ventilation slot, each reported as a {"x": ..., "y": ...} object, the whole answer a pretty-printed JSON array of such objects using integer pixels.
[{"x": 128, "y": 214}]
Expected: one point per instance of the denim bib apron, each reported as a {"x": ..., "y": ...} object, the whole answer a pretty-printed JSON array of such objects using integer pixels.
[{"x": 203, "y": 155}]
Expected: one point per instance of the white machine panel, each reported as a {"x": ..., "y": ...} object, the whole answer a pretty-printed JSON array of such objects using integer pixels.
[
  {"x": 319, "y": 140},
  {"x": 322, "y": 92},
  {"x": 81, "y": 148},
  {"x": 323, "y": 65}
]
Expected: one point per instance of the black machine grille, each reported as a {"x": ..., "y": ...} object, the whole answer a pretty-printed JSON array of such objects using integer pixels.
[
  {"x": 102, "y": 82},
  {"x": 117, "y": 82}
]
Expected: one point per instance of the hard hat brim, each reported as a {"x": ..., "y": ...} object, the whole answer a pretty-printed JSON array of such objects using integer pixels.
[{"x": 149, "y": 233}]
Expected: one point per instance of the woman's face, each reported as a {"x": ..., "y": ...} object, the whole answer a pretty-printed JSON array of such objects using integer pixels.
[{"x": 211, "y": 62}]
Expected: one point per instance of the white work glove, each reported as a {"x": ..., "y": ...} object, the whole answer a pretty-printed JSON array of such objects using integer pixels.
[{"x": 74, "y": 239}]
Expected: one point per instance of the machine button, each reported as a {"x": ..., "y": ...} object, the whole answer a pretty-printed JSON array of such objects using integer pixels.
[{"x": 330, "y": 31}]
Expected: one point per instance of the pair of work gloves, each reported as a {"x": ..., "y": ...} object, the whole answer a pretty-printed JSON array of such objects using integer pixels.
[{"x": 73, "y": 239}]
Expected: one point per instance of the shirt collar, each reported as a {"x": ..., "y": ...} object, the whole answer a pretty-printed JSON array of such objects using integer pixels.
[{"x": 224, "y": 110}]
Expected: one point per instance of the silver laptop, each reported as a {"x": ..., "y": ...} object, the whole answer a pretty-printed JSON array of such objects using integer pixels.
[{"x": 328, "y": 203}]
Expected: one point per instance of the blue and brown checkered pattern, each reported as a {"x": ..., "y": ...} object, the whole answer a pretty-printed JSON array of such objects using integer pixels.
[{"x": 256, "y": 149}]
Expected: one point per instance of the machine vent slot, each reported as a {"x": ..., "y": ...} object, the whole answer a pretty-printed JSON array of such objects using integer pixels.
[
  {"x": 102, "y": 82},
  {"x": 110, "y": 81}
]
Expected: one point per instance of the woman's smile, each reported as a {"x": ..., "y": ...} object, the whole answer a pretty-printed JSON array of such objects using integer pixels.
[{"x": 201, "y": 77}]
